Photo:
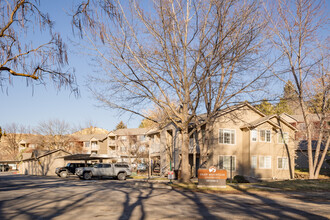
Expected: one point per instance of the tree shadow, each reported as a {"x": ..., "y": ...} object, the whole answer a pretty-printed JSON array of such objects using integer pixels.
[{"x": 47, "y": 198}]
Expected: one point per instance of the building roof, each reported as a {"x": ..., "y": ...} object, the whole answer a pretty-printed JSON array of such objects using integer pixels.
[
  {"x": 260, "y": 121},
  {"x": 267, "y": 119},
  {"x": 131, "y": 131},
  {"x": 88, "y": 137},
  {"x": 86, "y": 157},
  {"x": 312, "y": 117},
  {"x": 233, "y": 108},
  {"x": 302, "y": 145},
  {"x": 36, "y": 154}
]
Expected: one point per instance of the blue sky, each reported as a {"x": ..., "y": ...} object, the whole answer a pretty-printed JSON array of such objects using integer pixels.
[{"x": 29, "y": 105}]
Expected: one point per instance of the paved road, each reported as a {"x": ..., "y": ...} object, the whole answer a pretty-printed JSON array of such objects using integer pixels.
[{"x": 32, "y": 197}]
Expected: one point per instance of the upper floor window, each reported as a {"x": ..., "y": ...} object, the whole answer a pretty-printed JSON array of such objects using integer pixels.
[
  {"x": 227, "y": 136},
  {"x": 142, "y": 137},
  {"x": 254, "y": 135},
  {"x": 265, "y": 135},
  {"x": 86, "y": 144},
  {"x": 283, "y": 138}
]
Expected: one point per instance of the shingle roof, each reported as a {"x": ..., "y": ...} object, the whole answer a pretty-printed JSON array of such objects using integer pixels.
[{"x": 88, "y": 137}]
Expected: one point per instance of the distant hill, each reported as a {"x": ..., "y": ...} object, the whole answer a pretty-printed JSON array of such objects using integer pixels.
[{"x": 91, "y": 130}]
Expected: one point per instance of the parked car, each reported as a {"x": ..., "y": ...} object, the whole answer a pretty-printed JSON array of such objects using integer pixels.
[
  {"x": 69, "y": 169},
  {"x": 142, "y": 167},
  {"x": 156, "y": 168},
  {"x": 118, "y": 170},
  {"x": 4, "y": 167}
]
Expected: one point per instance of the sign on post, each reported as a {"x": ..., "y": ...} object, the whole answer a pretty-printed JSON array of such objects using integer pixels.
[
  {"x": 170, "y": 175},
  {"x": 212, "y": 177}
]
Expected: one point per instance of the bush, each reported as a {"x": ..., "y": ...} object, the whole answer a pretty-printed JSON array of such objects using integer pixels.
[{"x": 240, "y": 179}]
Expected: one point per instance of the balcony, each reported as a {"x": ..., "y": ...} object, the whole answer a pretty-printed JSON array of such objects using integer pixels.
[{"x": 95, "y": 147}]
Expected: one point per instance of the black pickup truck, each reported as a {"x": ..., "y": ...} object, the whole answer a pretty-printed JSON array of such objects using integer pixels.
[{"x": 69, "y": 169}]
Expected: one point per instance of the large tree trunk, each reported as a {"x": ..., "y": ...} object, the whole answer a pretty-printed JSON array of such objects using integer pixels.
[{"x": 185, "y": 171}]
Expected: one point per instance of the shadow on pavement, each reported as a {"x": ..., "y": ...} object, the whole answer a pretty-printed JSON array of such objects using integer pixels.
[{"x": 32, "y": 197}]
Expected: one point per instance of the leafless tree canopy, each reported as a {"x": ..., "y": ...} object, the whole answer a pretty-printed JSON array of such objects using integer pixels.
[
  {"x": 296, "y": 31},
  {"x": 22, "y": 55},
  {"x": 176, "y": 55}
]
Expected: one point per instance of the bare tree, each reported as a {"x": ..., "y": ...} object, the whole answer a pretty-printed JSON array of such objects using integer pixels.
[
  {"x": 9, "y": 144},
  {"x": 296, "y": 28},
  {"x": 55, "y": 135},
  {"x": 160, "y": 57},
  {"x": 20, "y": 21}
]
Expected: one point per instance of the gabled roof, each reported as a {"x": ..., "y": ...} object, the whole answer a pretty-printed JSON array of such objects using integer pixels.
[
  {"x": 288, "y": 118},
  {"x": 303, "y": 145},
  {"x": 88, "y": 137},
  {"x": 260, "y": 121},
  {"x": 233, "y": 108},
  {"x": 267, "y": 119},
  {"x": 38, "y": 154}
]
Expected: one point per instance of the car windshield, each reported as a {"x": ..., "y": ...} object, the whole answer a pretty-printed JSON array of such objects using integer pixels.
[{"x": 68, "y": 165}]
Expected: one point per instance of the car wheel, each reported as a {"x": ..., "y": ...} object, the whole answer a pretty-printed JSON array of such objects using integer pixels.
[
  {"x": 64, "y": 174},
  {"x": 122, "y": 176},
  {"x": 87, "y": 175}
]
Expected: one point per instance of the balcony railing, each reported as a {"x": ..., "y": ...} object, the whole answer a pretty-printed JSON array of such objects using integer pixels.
[{"x": 95, "y": 147}]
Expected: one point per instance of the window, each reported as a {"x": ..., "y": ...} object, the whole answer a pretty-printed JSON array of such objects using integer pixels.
[
  {"x": 142, "y": 137},
  {"x": 106, "y": 165},
  {"x": 94, "y": 144},
  {"x": 282, "y": 163},
  {"x": 265, "y": 162},
  {"x": 123, "y": 138},
  {"x": 142, "y": 148},
  {"x": 86, "y": 144},
  {"x": 285, "y": 138},
  {"x": 224, "y": 162},
  {"x": 254, "y": 162},
  {"x": 265, "y": 136},
  {"x": 254, "y": 135},
  {"x": 226, "y": 136}
]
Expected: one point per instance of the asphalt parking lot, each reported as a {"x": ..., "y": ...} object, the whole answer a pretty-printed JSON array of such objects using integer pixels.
[{"x": 35, "y": 197}]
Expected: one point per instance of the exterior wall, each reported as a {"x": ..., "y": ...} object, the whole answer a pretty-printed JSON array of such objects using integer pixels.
[
  {"x": 103, "y": 147},
  {"x": 233, "y": 120},
  {"x": 45, "y": 166},
  {"x": 244, "y": 148}
]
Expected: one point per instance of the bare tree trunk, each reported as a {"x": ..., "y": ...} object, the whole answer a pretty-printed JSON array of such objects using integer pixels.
[{"x": 185, "y": 173}]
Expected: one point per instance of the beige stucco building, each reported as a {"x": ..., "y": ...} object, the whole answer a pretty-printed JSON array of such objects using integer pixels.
[{"x": 257, "y": 145}]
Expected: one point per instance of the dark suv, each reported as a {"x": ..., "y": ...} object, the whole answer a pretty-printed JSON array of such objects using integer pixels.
[{"x": 69, "y": 169}]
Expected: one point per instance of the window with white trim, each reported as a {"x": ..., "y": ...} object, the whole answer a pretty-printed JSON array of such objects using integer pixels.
[
  {"x": 265, "y": 136},
  {"x": 254, "y": 162},
  {"x": 282, "y": 163},
  {"x": 254, "y": 135},
  {"x": 265, "y": 162},
  {"x": 227, "y": 136},
  {"x": 283, "y": 138},
  {"x": 224, "y": 162}
]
